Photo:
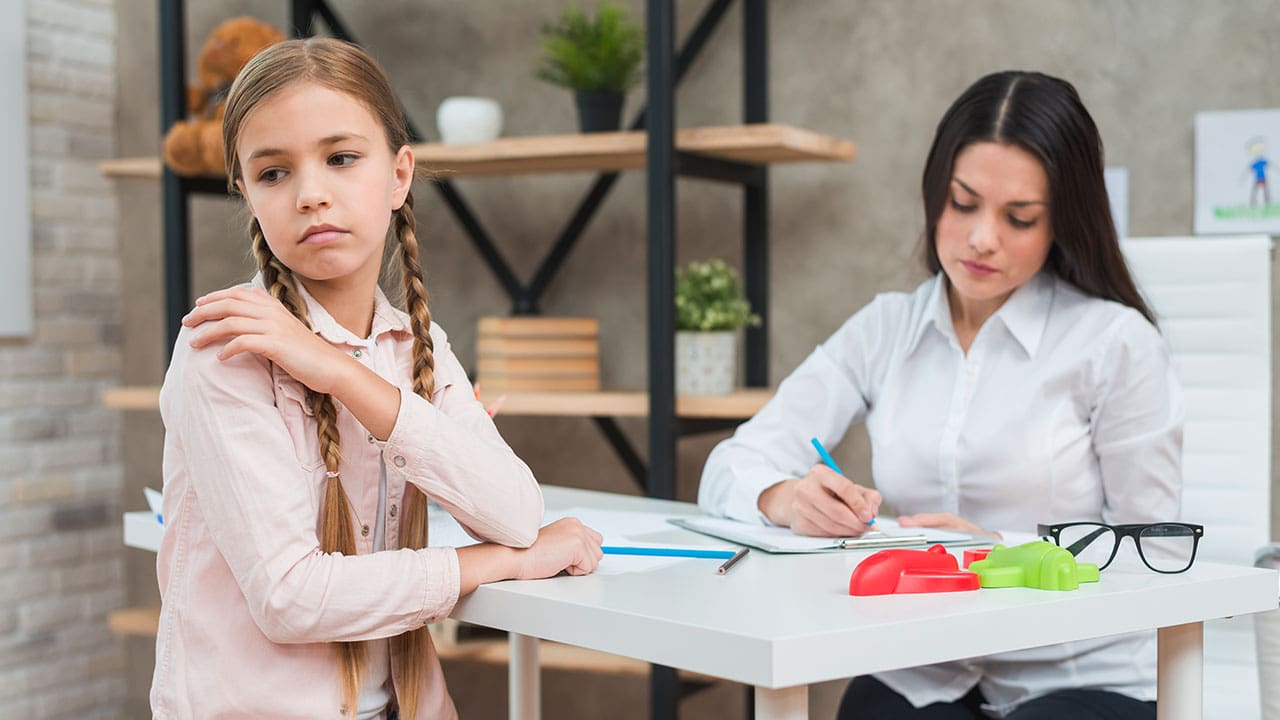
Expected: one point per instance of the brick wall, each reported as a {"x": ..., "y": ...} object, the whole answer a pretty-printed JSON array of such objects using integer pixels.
[{"x": 61, "y": 558}]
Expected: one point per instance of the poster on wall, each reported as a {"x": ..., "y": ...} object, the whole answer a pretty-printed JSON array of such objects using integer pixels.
[{"x": 1237, "y": 176}]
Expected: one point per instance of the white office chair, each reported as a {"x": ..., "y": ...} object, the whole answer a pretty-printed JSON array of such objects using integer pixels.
[{"x": 1212, "y": 299}]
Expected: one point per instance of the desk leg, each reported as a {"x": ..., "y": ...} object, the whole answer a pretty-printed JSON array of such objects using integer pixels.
[
  {"x": 782, "y": 704},
  {"x": 1180, "y": 674},
  {"x": 524, "y": 684}
]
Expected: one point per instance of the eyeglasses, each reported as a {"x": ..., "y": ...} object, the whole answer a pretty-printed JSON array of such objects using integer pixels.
[{"x": 1168, "y": 547}]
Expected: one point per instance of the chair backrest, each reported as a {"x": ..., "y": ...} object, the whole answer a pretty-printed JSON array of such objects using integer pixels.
[{"x": 1212, "y": 300}]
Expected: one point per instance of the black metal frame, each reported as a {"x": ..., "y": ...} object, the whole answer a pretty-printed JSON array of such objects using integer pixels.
[{"x": 665, "y": 69}]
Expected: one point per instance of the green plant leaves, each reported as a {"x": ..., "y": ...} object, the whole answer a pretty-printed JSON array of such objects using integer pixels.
[
  {"x": 709, "y": 297},
  {"x": 582, "y": 53}
]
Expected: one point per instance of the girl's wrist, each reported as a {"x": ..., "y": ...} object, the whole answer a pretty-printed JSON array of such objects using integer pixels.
[{"x": 487, "y": 562}]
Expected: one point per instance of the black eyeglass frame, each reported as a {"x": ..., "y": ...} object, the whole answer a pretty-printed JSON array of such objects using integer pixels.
[{"x": 1133, "y": 530}]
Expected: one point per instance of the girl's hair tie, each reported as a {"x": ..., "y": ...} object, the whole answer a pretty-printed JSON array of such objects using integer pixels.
[{"x": 331, "y": 473}]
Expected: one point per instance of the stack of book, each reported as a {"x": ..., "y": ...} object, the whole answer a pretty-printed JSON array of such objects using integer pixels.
[{"x": 538, "y": 354}]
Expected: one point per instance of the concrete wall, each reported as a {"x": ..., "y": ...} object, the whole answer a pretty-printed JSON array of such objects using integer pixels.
[
  {"x": 61, "y": 487},
  {"x": 880, "y": 73}
]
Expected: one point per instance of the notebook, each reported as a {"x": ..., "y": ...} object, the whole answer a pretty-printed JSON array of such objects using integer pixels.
[{"x": 783, "y": 540}]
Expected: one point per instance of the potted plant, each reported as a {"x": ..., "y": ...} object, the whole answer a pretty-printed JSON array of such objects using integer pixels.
[
  {"x": 598, "y": 58},
  {"x": 710, "y": 310}
]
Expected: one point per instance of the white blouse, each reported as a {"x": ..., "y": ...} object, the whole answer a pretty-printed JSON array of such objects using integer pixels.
[{"x": 1065, "y": 408}]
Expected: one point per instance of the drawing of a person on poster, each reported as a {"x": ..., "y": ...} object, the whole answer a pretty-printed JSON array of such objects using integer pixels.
[
  {"x": 1257, "y": 148},
  {"x": 1234, "y": 172}
]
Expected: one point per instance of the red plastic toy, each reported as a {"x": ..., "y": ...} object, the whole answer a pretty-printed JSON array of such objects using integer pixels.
[
  {"x": 910, "y": 571},
  {"x": 973, "y": 556}
]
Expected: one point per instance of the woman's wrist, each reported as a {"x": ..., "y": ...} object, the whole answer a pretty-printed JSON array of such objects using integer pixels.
[{"x": 775, "y": 502}]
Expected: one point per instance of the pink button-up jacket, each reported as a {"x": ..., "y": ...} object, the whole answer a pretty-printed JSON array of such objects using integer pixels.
[{"x": 250, "y": 603}]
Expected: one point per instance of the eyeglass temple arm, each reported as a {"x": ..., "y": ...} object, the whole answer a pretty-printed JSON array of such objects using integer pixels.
[{"x": 1084, "y": 542}]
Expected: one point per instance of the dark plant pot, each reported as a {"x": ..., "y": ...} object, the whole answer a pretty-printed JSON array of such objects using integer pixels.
[{"x": 599, "y": 110}]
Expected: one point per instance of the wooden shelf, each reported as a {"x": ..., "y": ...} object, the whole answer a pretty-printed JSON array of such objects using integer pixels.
[
  {"x": 760, "y": 144},
  {"x": 144, "y": 621},
  {"x": 132, "y": 398},
  {"x": 635, "y": 403},
  {"x": 134, "y": 621},
  {"x": 740, "y": 404}
]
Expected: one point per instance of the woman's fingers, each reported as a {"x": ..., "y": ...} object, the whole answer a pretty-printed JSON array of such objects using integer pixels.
[
  {"x": 862, "y": 502},
  {"x": 944, "y": 520},
  {"x": 812, "y": 521}
]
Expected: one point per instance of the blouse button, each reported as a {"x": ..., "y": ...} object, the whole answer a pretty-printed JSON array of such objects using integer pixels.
[
  {"x": 370, "y": 437},
  {"x": 357, "y": 353},
  {"x": 399, "y": 461},
  {"x": 393, "y": 511},
  {"x": 364, "y": 531}
]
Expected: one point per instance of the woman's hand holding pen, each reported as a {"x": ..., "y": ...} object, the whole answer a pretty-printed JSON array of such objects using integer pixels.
[
  {"x": 822, "y": 503},
  {"x": 946, "y": 521},
  {"x": 565, "y": 545},
  {"x": 250, "y": 320}
]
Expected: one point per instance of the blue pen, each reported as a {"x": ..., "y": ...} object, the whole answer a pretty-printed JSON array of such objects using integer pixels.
[
  {"x": 667, "y": 552},
  {"x": 831, "y": 463}
]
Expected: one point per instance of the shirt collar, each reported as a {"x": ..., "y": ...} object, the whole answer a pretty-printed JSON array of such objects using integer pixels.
[
  {"x": 1024, "y": 314},
  {"x": 386, "y": 318},
  {"x": 936, "y": 314}
]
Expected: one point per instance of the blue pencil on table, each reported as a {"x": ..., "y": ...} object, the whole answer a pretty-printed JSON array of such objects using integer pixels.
[
  {"x": 831, "y": 463},
  {"x": 666, "y": 552}
]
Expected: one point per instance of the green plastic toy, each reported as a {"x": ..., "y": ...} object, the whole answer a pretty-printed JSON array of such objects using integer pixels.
[{"x": 1037, "y": 564}]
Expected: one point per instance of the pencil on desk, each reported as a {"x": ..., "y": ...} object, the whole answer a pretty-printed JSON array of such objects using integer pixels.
[
  {"x": 667, "y": 552},
  {"x": 731, "y": 561}
]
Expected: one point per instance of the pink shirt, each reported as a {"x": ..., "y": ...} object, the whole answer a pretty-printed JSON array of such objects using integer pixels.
[{"x": 250, "y": 604}]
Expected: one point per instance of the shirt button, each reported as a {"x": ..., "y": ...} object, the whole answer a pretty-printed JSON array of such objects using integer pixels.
[
  {"x": 357, "y": 353},
  {"x": 399, "y": 461},
  {"x": 393, "y": 511},
  {"x": 364, "y": 531},
  {"x": 370, "y": 437}
]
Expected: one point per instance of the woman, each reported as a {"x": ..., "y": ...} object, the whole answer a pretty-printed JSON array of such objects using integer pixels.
[{"x": 1025, "y": 382}]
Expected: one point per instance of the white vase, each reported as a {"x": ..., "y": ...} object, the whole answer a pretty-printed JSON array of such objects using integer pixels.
[
  {"x": 463, "y": 120},
  {"x": 706, "y": 362}
]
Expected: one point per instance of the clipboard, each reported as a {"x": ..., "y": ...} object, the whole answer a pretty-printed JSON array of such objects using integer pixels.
[{"x": 782, "y": 540}]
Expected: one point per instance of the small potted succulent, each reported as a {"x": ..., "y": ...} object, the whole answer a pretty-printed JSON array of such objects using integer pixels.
[
  {"x": 710, "y": 310},
  {"x": 598, "y": 58}
]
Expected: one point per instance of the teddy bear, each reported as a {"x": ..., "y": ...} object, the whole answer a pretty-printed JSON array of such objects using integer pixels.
[{"x": 194, "y": 146}]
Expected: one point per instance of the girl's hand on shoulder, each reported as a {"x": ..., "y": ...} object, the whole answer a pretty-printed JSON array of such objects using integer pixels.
[
  {"x": 947, "y": 521},
  {"x": 565, "y": 545},
  {"x": 250, "y": 320}
]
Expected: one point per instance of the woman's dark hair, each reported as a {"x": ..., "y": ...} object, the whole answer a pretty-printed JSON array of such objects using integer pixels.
[{"x": 1042, "y": 115}]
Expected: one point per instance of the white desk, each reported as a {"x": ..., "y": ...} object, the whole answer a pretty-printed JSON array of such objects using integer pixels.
[{"x": 782, "y": 622}]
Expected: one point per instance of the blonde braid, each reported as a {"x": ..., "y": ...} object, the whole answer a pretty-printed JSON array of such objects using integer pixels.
[
  {"x": 410, "y": 648},
  {"x": 335, "y": 531}
]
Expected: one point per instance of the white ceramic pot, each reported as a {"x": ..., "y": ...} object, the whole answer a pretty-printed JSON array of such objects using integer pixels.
[
  {"x": 462, "y": 120},
  {"x": 706, "y": 362}
]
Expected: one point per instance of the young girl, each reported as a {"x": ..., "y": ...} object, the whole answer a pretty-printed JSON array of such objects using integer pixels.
[{"x": 308, "y": 421}]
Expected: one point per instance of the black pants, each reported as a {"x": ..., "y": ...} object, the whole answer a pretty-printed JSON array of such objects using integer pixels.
[{"x": 869, "y": 699}]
